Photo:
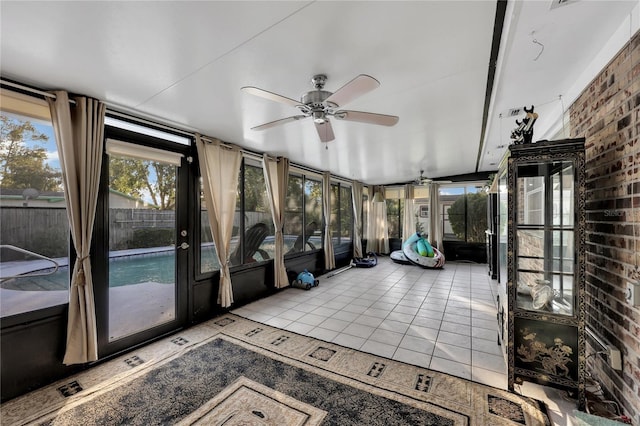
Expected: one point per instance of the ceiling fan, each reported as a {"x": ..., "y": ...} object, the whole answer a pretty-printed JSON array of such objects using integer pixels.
[
  {"x": 423, "y": 180},
  {"x": 321, "y": 104}
]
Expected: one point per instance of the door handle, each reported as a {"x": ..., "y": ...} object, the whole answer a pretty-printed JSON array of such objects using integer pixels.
[{"x": 184, "y": 246}]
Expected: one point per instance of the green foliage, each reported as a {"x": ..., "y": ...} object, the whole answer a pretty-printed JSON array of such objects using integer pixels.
[
  {"x": 128, "y": 176},
  {"x": 138, "y": 177},
  {"x": 469, "y": 212},
  {"x": 346, "y": 211},
  {"x": 50, "y": 242},
  {"x": 255, "y": 190},
  {"x": 23, "y": 167},
  {"x": 394, "y": 217},
  {"x": 313, "y": 202}
]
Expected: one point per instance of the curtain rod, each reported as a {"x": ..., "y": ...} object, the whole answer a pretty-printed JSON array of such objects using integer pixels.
[
  {"x": 250, "y": 154},
  {"x": 32, "y": 90},
  {"x": 160, "y": 125},
  {"x": 28, "y": 89},
  {"x": 309, "y": 169}
]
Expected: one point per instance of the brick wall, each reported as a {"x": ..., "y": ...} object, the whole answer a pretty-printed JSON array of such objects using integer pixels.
[{"x": 607, "y": 114}]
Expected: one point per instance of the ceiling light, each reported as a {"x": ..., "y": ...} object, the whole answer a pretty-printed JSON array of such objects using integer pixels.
[
  {"x": 377, "y": 198},
  {"x": 318, "y": 117}
]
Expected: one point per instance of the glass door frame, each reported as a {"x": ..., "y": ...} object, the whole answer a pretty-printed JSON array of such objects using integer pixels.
[{"x": 184, "y": 257}]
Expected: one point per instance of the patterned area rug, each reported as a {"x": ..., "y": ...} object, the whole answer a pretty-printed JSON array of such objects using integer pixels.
[{"x": 233, "y": 371}]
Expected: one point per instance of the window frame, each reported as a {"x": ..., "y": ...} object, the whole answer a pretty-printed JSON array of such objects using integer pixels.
[
  {"x": 444, "y": 209},
  {"x": 35, "y": 109}
]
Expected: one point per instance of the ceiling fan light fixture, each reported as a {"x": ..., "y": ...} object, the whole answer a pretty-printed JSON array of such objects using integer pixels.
[{"x": 319, "y": 117}]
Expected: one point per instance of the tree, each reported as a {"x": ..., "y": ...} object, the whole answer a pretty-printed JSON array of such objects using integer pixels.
[
  {"x": 255, "y": 190},
  {"x": 468, "y": 214},
  {"x": 163, "y": 188},
  {"x": 23, "y": 166},
  {"x": 394, "y": 217},
  {"x": 346, "y": 211},
  {"x": 313, "y": 201},
  {"x": 140, "y": 178}
]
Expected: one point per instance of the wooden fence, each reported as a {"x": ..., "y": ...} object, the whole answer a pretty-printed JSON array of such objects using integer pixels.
[{"x": 46, "y": 230}]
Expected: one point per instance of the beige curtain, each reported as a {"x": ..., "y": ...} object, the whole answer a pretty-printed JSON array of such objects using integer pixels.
[
  {"x": 408, "y": 216},
  {"x": 79, "y": 131},
  {"x": 435, "y": 221},
  {"x": 276, "y": 176},
  {"x": 219, "y": 167},
  {"x": 378, "y": 235},
  {"x": 329, "y": 257},
  {"x": 356, "y": 197}
]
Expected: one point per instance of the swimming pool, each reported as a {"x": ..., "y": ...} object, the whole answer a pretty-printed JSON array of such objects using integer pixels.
[{"x": 125, "y": 270}]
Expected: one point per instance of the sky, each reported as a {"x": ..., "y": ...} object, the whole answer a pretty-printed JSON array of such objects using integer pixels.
[
  {"x": 50, "y": 145},
  {"x": 52, "y": 151}
]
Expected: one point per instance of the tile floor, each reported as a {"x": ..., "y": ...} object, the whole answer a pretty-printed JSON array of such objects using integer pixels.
[{"x": 444, "y": 320}]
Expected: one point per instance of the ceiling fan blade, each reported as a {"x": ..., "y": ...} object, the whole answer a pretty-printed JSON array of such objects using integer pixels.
[
  {"x": 278, "y": 122},
  {"x": 270, "y": 95},
  {"x": 367, "y": 117},
  {"x": 356, "y": 87},
  {"x": 325, "y": 131}
]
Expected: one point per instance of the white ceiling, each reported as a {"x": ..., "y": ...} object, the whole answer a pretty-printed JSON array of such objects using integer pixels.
[{"x": 183, "y": 64}]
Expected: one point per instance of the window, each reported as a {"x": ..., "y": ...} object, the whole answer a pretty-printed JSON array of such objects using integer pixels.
[
  {"x": 312, "y": 198},
  {"x": 394, "y": 217},
  {"x": 303, "y": 215},
  {"x": 346, "y": 214},
  {"x": 208, "y": 256},
  {"x": 341, "y": 224},
  {"x": 33, "y": 215},
  {"x": 464, "y": 213},
  {"x": 295, "y": 240},
  {"x": 394, "y": 196},
  {"x": 145, "y": 130},
  {"x": 313, "y": 213},
  {"x": 259, "y": 240},
  {"x": 334, "y": 223},
  {"x": 252, "y": 237},
  {"x": 365, "y": 213},
  {"x": 422, "y": 211}
]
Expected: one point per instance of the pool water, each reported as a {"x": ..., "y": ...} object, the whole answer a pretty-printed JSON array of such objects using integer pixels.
[
  {"x": 158, "y": 268},
  {"x": 59, "y": 280}
]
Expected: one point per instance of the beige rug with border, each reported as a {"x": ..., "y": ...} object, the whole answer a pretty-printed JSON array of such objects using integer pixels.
[{"x": 234, "y": 371}]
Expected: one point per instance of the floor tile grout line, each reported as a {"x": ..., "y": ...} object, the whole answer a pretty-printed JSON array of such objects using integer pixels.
[{"x": 401, "y": 288}]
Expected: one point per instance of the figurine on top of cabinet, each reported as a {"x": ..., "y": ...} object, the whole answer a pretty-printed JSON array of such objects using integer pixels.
[{"x": 524, "y": 132}]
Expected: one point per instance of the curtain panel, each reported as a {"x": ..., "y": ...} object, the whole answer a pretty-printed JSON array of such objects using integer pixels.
[
  {"x": 329, "y": 256},
  {"x": 408, "y": 215},
  {"x": 276, "y": 176},
  {"x": 79, "y": 131},
  {"x": 219, "y": 167},
  {"x": 435, "y": 221},
  {"x": 356, "y": 196},
  {"x": 378, "y": 230}
]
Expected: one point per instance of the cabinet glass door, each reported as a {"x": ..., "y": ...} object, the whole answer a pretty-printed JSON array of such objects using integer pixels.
[{"x": 545, "y": 237}]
